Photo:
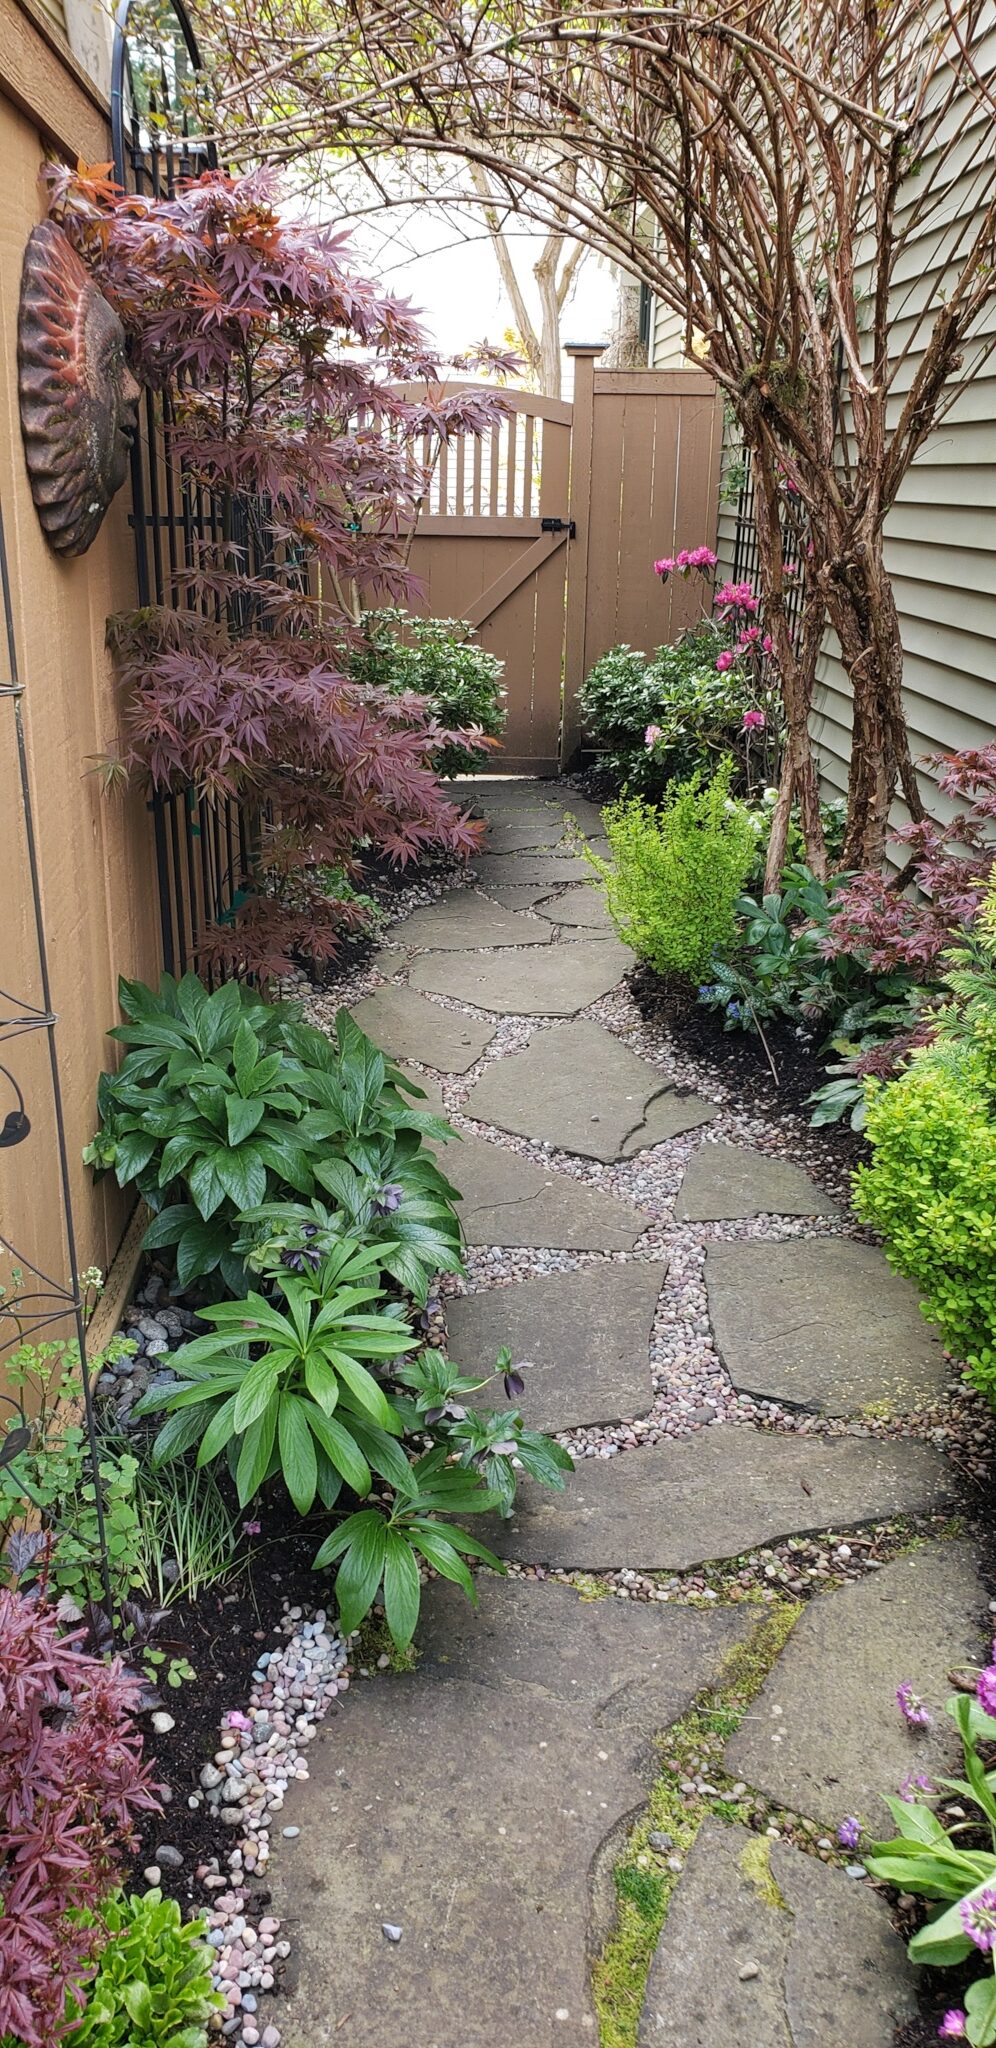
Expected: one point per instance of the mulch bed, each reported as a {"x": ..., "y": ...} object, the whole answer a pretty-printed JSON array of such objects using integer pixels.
[
  {"x": 737, "y": 1062},
  {"x": 223, "y": 1633}
]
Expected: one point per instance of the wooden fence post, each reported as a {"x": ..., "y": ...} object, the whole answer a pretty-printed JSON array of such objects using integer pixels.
[{"x": 584, "y": 355}]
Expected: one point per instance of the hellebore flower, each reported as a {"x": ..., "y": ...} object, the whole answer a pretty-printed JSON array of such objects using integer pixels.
[{"x": 390, "y": 1198}]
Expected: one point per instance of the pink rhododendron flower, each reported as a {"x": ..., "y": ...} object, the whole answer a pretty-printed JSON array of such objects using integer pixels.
[
  {"x": 767, "y": 644},
  {"x": 748, "y": 636},
  {"x": 665, "y": 565},
  {"x": 735, "y": 597},
  {"x": 790, "y": 570},
  {"x": 754, "y": 721},
  {"x": 725, "y": 660},
  {"x": 687, "y": 558},
  {"x": 652, "y": 735}
]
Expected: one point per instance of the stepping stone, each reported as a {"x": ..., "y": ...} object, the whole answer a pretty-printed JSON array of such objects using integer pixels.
[
  {"x": 518, "y": 895},
  {"x": 585, "y": 1337},
  {"x": 390, "y": 960},
  {"x": 465, "y": 1802},
  {"x": 554, "y": 982},
  {"x": 585, "y": 814},
  {"x": 508, "y": 1200},
  {"x": 519, "y": 831},
  {"x": 504, "y": 794},
  {"x": 723, "y": 1182},
  {"x": 553, "y": 869},
  {"x": 825, "y": 1736},
  {"x": 767, "y": 1946},
  {"x": 581, "y": 1089},
  {"x": 461, "y": 918},
  {"x": 821, "y": 1325},
  {"x": 717, "y": 1494},
  {"x": 581, "y": 903},
  {"x": 407, "y": 1027}
]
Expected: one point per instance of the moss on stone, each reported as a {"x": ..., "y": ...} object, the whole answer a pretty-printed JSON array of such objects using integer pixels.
[
  {"x": 755, "y": 1862},
  {"x": 619, "y": 1974}
]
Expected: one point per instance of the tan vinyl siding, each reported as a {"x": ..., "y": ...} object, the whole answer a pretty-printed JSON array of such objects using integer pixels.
[{"x": 667, "y": 350}]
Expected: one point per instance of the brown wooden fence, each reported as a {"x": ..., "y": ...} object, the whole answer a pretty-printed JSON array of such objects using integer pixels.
[{"x": 544, "y": 536}]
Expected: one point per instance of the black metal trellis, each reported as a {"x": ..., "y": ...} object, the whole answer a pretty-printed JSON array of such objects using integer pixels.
[
  {"x": 46, "y": 1300},
  {"x": 204, "y": 846},
  {"x": 746, "y": 556}
]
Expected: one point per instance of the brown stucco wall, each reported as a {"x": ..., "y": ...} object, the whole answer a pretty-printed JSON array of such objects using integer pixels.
[{"x": 95, "y": 853}]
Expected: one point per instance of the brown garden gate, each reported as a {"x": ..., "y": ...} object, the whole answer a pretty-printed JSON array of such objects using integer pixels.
[{"x": 544, "y": 536}]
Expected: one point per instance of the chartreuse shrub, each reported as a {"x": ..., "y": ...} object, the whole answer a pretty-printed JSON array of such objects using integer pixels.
[
  {"x": 678, "y": 872},
  {"x": 440, "y": 660},
  {"x": 152, "y": 1987},
  {"x": 224, "y": 1103},
  {"x": 931, "y": 1186}
]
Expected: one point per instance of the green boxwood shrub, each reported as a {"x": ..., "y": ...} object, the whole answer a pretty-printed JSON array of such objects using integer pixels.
[
  {"x": 440, "y": 660},
  {"x": 931, "y": 1186},
  {"x": 679, "y": 872}
]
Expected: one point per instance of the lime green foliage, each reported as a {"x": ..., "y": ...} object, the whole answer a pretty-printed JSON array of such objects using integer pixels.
[
  {"x": 620, "y": 1972},
  {"x": 678, "y": 872},
  {"x": 153, "y": 1983},
  {"x": 439, "y": 660},
  {"x": 931, "y": 1186}
]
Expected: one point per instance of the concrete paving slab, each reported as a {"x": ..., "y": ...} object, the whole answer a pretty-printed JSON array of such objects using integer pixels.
[{"x": 580, "y": 1087}]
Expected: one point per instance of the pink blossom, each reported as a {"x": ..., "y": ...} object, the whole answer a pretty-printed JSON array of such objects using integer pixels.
[
  {"x": 767, "y": 644},
  {"x": 748, "y": 636},
  {"x": 665, "y": 565},
  {"x": 725, "y": 660},
  {"x": 652, "y": 735},
  {"x": 735, "y": 597},
  {"x": 687, "y": 558},
  {"x": 237, "y": 1720},
  {"x": 790, "y": 570},
  {"x": 986, "y": 1690},
  {"x": 251, "y": 1528},
  {"x": 754, "y": 721},
  {"x": 702, "y": 558},
  {"x": 952, "y": 2027}
]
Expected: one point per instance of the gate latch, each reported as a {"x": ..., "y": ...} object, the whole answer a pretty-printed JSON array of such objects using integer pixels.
[{"x": 559, "y": 526}]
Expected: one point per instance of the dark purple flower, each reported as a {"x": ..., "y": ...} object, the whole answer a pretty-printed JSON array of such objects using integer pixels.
[
  {"x": 911, "y": 1706},
  {"x": 514, "y": 1383},
  {"x": 978, "y": 1918},
  {"x": 849, "y": 1832},
  {"x": 389, "y": 1199}
]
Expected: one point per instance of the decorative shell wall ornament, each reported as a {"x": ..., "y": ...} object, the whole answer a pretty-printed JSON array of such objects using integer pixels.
[{"x": 79, "y": 400}]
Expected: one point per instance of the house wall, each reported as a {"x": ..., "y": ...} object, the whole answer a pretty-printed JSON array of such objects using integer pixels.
[
  {"x": 95, "y": 857},
  {"x": 940, "y": 536}
]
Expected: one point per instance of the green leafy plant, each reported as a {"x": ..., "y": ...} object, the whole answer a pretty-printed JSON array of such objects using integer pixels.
[
  {"x": 486, "y": 1440},
  {"x": 224, "y": 1103},
  {"x": 660, "y": 718},
  {"x": 152, "y": 1987},
  {"x": 930, "y": 1188},
  {"x": 186, "y": 1538},
  {"x": 288, "y": 1389},
  {"x": 378, "y": 1550},
  {"x": 440, "y": 660},
  {"x": 52, "y": 1482},
  {"x": 952, "y": 1862},
  {"x": 678, "y": 872}
]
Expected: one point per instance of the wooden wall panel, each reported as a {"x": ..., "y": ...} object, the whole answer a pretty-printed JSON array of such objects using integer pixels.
[{"x": 95, "y": 854}]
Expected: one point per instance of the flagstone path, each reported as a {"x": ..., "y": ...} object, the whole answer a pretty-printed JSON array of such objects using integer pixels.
[{"x": 475, "y": 1806}]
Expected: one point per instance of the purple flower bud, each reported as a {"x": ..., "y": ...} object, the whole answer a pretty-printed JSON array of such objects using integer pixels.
[
  {"x": 849, "y": 1832},
  {"x": 978, "y": 1918},
  {"x": 952, "y": 2027},
  {"x": 514, "y": 1384},
  {"x": 986, "y": 1690},
  {"x": 911, "y": 1706}
]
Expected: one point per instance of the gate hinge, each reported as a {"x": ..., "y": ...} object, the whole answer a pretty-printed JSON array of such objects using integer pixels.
[{"x": 559, "y": 526}]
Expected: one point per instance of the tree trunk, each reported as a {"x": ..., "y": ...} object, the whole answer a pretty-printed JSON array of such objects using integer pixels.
[
  {"x": 862, "y": 611},
  {"x": 797, "y": 673},
  {"x": 627, "y": 350}
]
